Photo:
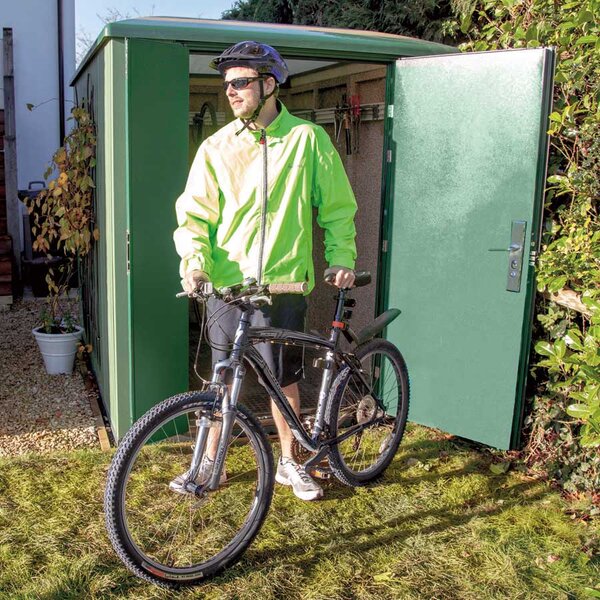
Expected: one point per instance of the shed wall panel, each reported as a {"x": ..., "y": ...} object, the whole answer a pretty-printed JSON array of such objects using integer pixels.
[{"x": 157, "y": 128}]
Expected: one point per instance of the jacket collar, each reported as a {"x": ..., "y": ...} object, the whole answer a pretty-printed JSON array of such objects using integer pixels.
[{"x": 278, "y": 124}]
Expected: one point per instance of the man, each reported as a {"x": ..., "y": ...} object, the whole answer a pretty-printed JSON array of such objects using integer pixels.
[{"x": 247, "y": 212}]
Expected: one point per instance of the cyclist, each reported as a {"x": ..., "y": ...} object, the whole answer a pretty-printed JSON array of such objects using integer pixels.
[{"x": 247, "y": 212}]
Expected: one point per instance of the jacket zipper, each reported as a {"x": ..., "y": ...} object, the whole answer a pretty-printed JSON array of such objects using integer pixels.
[{"x": 263, "y": 212}]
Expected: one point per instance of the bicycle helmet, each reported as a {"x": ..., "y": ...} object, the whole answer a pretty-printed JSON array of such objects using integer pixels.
[
  {"x": 261, "y": 57},
  {"x": 264, "y": 59}
]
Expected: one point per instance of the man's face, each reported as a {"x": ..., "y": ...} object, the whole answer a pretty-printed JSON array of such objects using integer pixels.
[{"x": 245, "y": 101}]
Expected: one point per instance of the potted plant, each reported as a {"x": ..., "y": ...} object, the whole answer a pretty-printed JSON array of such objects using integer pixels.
[
  {"x": 59, "y": 335},
  {"x": 63, "y": 219}
]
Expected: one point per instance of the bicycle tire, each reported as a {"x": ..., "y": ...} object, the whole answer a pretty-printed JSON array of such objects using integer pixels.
[
  {"x": 364, "y": 457},
  {"x": 137, "y": 495}
]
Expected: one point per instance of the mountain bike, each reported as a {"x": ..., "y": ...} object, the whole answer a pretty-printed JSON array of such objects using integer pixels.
[{"x": 173, "y": 539}]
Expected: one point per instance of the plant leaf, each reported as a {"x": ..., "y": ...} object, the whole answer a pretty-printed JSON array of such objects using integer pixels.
[
  {"x": 578, "y": 411},
  {"x": 499, "y": 468}
]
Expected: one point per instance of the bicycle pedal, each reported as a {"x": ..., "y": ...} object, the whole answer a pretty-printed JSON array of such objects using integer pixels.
[{"x": 317, "y": 473}]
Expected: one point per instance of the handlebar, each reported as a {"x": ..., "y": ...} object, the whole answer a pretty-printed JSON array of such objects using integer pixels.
[
  {"x": 245, "y": 289},
  {"x": 288, "y": 288},
  {"x": 250, "y": 288}
]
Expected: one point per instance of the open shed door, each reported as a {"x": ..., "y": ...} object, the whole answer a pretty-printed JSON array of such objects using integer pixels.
[{"x": 468, "y": 148}]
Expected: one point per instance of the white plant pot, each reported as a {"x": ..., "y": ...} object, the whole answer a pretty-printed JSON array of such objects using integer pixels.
[{"x": 58, "y": 349}]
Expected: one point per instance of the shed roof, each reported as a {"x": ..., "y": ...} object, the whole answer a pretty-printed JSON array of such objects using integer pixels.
[{"x": 209, "y": 35}]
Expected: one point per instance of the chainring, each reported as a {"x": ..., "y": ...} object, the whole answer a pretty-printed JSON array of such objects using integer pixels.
[{"x": 301, "y": 455}]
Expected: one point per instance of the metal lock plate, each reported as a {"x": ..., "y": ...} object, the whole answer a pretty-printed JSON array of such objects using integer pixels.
[{"x": 515, "y": 255}]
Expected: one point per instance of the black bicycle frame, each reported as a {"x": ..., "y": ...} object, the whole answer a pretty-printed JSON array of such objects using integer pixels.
[{"x": 243, "y": 348}]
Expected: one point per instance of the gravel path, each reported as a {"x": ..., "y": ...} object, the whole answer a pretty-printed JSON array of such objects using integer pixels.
[{"x": 38, "y": 412}]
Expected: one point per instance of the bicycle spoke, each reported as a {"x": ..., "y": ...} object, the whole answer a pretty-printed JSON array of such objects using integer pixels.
[
  {"x": 370, "y": 402},
  {"x": 180, "y": 529}
]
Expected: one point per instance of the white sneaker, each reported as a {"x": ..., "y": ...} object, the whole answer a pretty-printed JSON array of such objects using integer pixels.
[
  {"x": 291, "y": 473},
  {"x": 204, "y": 473}
]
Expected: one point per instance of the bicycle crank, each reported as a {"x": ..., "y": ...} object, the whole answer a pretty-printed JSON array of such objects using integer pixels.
[{"x": 301, "y": 455}]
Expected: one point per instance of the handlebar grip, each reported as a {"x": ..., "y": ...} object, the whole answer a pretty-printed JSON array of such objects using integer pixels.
[{"x": 288, "y": 288}]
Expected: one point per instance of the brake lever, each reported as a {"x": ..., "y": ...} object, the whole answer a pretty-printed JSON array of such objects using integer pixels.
[
  {"x": 259, "y": 299},
  {"x": 204, "y": 290}
]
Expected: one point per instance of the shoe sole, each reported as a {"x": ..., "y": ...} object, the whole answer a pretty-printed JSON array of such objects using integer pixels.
[{"x": 302, "y": 495}]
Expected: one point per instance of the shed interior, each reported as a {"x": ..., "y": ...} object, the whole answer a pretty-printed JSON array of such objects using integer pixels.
[{"x": 323, "y": 92}]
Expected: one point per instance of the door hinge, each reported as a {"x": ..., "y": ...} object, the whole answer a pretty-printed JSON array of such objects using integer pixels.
[
  {"x": 390, "y": 111},
  {"x": 384, "y": 246},
  {"x": 533, "y": 256},
  {"x": 127, "y": 253},
  {"x": 388, "y": 156}
]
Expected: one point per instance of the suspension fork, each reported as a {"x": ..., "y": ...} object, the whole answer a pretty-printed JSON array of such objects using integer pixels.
[{"x": 228, "y": 408}]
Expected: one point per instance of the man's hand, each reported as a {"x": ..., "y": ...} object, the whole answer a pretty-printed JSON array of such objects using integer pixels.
[
  {"x": 192, "y": 280},
  {"x": 344, "y": 278}
]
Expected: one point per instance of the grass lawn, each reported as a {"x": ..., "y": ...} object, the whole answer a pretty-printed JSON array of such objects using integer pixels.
[{"x": 439, "y": 525}]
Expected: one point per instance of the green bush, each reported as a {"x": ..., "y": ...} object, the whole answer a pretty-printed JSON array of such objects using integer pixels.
[{"x": 427, "y": 19}]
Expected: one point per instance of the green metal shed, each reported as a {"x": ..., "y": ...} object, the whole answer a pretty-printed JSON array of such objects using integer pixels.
[{"x": 449, "y": 177}]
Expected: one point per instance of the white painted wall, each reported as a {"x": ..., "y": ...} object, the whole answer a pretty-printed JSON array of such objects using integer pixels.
[{"x": 35, "y": 56}]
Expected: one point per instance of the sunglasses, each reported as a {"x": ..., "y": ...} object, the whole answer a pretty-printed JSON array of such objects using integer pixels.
[{"x": 240, "y": 83}]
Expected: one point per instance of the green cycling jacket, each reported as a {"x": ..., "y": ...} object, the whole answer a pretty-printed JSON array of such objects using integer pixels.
[{"x": 247, "y": 206}]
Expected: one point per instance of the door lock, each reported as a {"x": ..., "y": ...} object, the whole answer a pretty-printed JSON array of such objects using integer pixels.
[{"x": 515, "y": 256}]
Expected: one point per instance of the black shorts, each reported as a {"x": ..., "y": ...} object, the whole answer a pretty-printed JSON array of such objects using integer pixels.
[{"x": 288, "y": 311}]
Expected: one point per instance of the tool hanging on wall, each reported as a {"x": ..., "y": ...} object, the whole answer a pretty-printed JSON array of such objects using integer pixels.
[
  {"x": 346, "y": 117},
  {"x": 355, "y": 116},
  {"x": 348, "y": 135},
  {"x": 337, "y": 122},
  {"x": 198, "y": 123}
]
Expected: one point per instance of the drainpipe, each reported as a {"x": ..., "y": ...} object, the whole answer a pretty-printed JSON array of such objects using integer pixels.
[{"x": 61, "y": 73}]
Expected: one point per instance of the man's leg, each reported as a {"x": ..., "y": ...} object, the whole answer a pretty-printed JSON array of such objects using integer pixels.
[
  {"x": 288, "y": 471},
  {"x": 292, "y": 393}
]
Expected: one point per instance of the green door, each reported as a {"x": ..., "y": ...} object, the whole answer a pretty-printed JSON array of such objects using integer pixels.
[{"x": 468, "y": 150}]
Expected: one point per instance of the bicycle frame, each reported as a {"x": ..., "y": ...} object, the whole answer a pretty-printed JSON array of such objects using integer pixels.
[{"x": 243, "y": 349}]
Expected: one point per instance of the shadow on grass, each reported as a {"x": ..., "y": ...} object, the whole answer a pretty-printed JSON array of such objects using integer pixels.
[
  {"x": 422, "y": 452},
  {"x": 379, "y": 535},
  {"x": 305, "y": 553}
]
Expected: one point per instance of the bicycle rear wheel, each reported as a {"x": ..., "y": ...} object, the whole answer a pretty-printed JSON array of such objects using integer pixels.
[
  {"x": 379, "y": 396},
  {"x": 170, "y": 538}
]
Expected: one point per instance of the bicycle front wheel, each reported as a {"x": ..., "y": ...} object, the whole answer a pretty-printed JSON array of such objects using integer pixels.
[
  {"x": 373, "y": 403},
  {"x": 172, "y": 538}
]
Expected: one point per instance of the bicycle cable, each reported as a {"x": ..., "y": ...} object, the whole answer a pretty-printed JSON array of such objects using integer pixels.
[
  {"x": 202, "y": 323},
  {"x": 205, "y": 324},
  {"x": 214, "y": 320}
]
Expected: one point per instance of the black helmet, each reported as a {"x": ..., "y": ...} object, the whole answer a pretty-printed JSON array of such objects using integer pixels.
[{"x": 261, "y": 57}]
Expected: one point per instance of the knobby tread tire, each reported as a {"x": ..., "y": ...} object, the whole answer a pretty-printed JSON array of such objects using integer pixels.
[
  {"x": 118, "y": 470},
  {"x": 338, "y": 466}
]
